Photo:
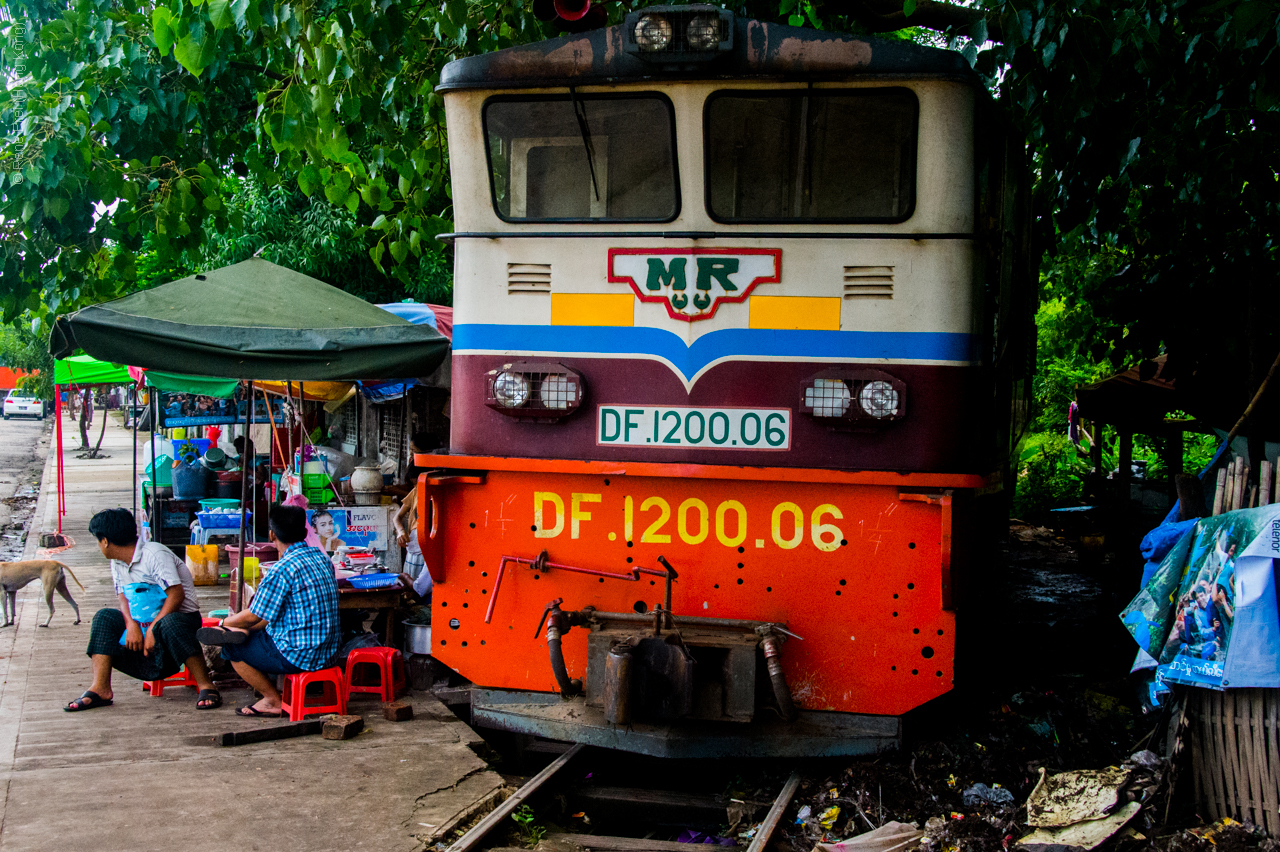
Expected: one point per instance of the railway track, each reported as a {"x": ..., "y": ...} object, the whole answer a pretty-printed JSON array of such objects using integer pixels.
[{"x": 594, "y": 799}]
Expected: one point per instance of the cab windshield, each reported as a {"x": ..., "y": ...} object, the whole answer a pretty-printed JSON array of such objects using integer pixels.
[
  {"x": 582, "y": 158},
  {"x": 811, "y": 155}
]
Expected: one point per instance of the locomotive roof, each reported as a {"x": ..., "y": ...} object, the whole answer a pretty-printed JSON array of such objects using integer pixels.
[{"x": 760, "y": 50}]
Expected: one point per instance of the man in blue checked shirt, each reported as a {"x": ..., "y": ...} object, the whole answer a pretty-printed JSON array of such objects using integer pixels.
[{"x": 291, "y": 626}]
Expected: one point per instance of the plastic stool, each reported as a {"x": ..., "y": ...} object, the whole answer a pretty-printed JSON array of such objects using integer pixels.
[
  {"x": 332, "y": 700},
  {"x": 157, "y": 687},
  {"x": 389, "y": 665},
  {"x": 182, "y": 678}
]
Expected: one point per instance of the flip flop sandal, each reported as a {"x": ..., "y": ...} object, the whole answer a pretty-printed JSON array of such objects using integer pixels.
[
  {"x": 221, "y": 636},
  {"x": 252, "y": 711},
  {"x": 88, "y": 701},
  {"x": 210, "y": 695}
]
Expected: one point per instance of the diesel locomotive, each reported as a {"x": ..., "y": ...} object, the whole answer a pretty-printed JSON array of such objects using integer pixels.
[{"x": 742, "y": 341}]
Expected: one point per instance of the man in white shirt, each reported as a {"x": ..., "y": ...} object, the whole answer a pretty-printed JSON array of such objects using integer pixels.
[{"x": 117, "y": 640}]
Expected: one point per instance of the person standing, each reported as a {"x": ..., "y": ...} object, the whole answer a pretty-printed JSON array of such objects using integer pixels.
[
  {"x": 291, "y": 625},
  {"x": 149, "y": 647}
]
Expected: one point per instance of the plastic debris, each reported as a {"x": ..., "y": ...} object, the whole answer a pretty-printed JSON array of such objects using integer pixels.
[
  {"x": 980, "y": 794},
  {"x": 890, "y": 837},
  {"x": 691, "y": 836},
  {"x": 828, "y": 817},
  {"x": 804, "y": 813}
]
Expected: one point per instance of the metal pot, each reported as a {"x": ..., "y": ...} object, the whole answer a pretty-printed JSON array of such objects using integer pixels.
[{"x": 417, "y": 638}]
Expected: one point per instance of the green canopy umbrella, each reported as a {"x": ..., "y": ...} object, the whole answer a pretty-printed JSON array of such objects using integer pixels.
[
  {"x": 87, "y": 370},
  {"x": 252, "y": 320}
]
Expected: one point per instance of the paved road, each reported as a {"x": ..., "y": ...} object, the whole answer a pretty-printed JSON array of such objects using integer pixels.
[{"x": 23, "y": 447}]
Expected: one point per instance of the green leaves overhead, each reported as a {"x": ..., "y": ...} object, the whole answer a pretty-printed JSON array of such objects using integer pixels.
[{"x": 130, "y": 120}]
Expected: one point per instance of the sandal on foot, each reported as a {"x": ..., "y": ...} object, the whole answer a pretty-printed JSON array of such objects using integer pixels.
[
  {"x": 253, "y": 711},
  {"x": 212, "y": 696},
  {"x": 88, "y": 701},
  {"x": 221, "y": 636}
]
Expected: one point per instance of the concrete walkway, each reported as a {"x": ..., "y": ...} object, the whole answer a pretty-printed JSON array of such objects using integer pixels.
[{"x": 143, "y": 774}]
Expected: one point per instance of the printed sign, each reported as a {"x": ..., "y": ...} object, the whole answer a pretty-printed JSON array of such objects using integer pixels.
[
  {"x": 693, "y": 282},
  {"x": 1208, "y": 616},
  {"x": 185, "y": 409},
  {"x": 355, "y": 526},
  {"x": 700, "y": 428}
]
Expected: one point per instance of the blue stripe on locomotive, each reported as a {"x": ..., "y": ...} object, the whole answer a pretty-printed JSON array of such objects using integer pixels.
[{"x": 949, "y": 347}]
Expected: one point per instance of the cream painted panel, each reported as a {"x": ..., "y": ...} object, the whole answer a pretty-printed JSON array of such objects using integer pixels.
[
  {"x": 480, "y": 281},
  {"x": 932, "y": 286},
  {"x": 468, "y": 165}
]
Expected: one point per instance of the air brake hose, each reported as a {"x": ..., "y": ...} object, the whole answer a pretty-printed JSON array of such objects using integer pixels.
[
  {"x": 781, "y": 691},
  {"x": 569, "y": 687}
]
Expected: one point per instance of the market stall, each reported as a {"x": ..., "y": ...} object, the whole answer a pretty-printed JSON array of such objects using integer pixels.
[
  {"x": 240, "y": 322},
  {"x": 76, "y": 373}
]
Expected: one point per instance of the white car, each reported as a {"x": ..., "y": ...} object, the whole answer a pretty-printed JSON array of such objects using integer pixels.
[{"x": 19, "y": 404}]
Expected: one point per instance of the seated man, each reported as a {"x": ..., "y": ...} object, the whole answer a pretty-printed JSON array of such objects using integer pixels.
[
  {"x": 170, "y": 640},
  {"x": 291, "y": 625}
]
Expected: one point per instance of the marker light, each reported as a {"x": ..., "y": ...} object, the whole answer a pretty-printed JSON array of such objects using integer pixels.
[
  {"x": 827, "y": 398},
  {"x": 653, "y": 32},
  {"x": 703, "y": 32},
  {"x": 879, "y": 399},
  {"x": 680, "y": 35},
  {"x": 511, "y": 390},
  {"x": 558, "y": 392}
]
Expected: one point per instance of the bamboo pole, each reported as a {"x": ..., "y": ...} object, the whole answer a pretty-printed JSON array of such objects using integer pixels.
[
  {"x": 1220, "y": 491},
  {"x": 1242, "y": 486},
  {"x": 1228, "y": 495},
  {"x": 1264, "y": 482}
]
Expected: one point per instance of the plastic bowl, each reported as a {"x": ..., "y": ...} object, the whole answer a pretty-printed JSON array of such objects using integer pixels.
[
  {"x": 219, "y": 503},
  {"x": 374, "y": 581}
]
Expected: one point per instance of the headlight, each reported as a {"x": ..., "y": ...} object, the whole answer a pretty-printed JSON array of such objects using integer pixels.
[
  {"x": 543, "y": 391},
  {"x": 511, "y": 389},
  {"x": 653, "y": 32},
  {"x": 879, "y": 399},
  {"x": 827, "y": 398},
  {"x": 703, "y": 32}
]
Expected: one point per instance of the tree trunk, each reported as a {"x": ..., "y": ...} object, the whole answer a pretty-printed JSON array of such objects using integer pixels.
[{"x": 101, "y": 433}]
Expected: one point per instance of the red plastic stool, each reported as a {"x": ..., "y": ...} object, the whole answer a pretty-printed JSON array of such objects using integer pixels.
[
  {"x": 157, "y": 687},
  {"x": 332, "y": 700},
  {"x": 182, "y": 678},
  {"x": 389, "y": 665}
]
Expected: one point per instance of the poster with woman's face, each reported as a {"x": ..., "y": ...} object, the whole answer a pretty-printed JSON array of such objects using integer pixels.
[{"x": 355, "y": 526}]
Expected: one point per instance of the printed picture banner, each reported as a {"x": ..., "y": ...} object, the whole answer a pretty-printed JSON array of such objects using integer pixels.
[
  {"x": 355, "y": 526},
  {"x": 1208, "y": 616}
]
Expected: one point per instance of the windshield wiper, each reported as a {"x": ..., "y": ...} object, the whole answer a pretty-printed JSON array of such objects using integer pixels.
[{"x": 580, "y": 113}]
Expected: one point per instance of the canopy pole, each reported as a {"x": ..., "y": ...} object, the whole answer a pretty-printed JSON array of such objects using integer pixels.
[
  {"x": 153, "y": 408},
  {"x": 293, "y": 417},
  {"x": 133, "y": 415},
  {"x": 57, "y": 430},
  {"x": 246, "y": 470}
]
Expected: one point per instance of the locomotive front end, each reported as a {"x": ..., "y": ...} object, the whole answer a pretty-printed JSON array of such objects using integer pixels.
[{"x": 730, "y": 380}]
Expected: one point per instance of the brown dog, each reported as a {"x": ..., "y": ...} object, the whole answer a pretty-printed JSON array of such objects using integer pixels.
[{"x": 15, "y": 575}]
